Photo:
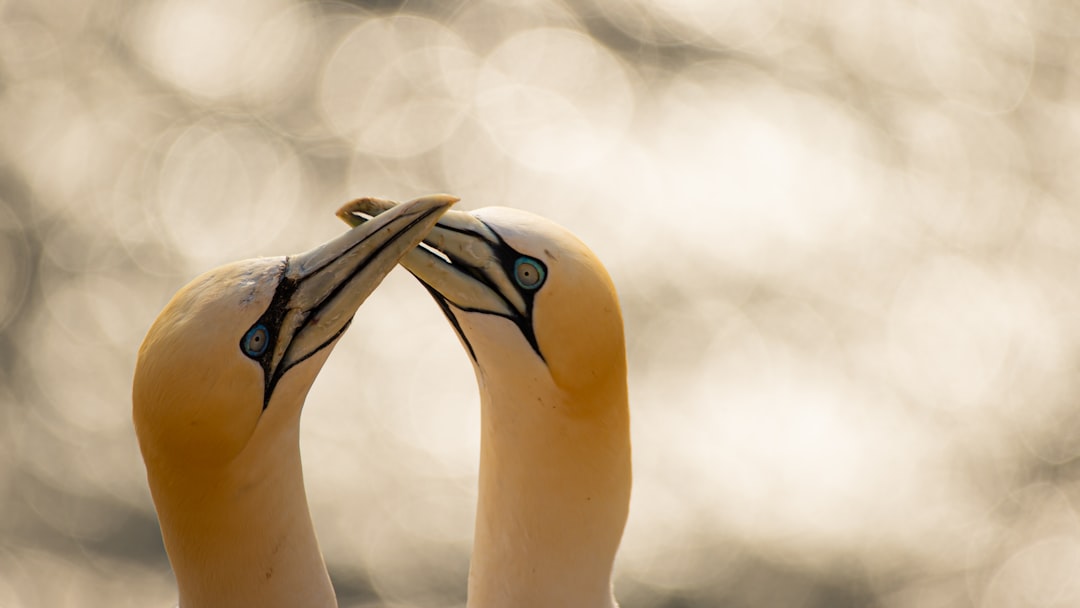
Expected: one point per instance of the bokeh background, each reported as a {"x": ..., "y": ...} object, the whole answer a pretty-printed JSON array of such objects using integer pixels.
[{"x": 845, "y": 236}]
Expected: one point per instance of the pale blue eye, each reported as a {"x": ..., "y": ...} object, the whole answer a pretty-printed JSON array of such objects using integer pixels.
[
  {"x": 528, "y": 273},
  {"x": 256, "y": 341}
]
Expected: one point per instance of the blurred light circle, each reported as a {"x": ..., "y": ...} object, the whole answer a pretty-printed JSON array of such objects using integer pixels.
[
  {"x": 874, "y": 39},
  {"x": 278, "y": 55},
  {"x": 981, "y": 55},
  {"x": 554, "y": 99},
  {"x": 9, "y": 593},
  {"x": 397, "y": 86},
  {"x": 951, "y": 327},
  {"x": 25, "y": 45},
  {"x": 742, "y": 154},
  {"x": 733, "y": 23},
  {"x": 479, "y": 169},
  {"x": 637, "y": 20},
  {"x": 728, "y": 23},
  {"x": 1042, "y": 575},
  {"x": 15, "y": 268},
  {"x": 225, "y": 190},
  {"x": 405, "y": 567},
  {"x": 967, "y": 175},
  {"x": 55, "y": 141},
  {"x": 90, "y": 320},
  {"x": 202, "y": 46}
]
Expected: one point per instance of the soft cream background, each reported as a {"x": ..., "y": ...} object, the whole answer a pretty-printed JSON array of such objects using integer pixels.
[{"x": 845, "y": 235}]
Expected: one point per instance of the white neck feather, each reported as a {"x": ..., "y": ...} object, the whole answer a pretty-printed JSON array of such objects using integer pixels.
[{"x": 554, "y": 492}]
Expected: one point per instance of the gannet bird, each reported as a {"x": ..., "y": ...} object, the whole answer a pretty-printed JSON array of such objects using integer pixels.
[
  {"x": 539, "y": 317},
  {"x": 219, "y": 383}
]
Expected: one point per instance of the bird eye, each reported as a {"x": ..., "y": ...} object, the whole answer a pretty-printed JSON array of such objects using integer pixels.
[
  {"x": 528, "y": 273},
  {"x": 256, "y": 340}
]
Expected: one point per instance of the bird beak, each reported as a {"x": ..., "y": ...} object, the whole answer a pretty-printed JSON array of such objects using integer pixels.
[
  {"x": 329, "y": 283},
  {"x": 460, "y": 260},
  {"x": 463, "y": 264}
]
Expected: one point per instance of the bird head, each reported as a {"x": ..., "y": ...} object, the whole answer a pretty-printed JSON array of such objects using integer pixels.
[
  {"x": 234, "y": 353},
  {"x": 507, "y": 277}
]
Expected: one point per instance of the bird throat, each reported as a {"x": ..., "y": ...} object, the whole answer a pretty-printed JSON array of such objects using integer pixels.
[{"x": 553, "y": 500}]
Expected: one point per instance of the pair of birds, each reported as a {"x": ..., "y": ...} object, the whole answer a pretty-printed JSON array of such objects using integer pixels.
[{"x": 223, "y": 373}]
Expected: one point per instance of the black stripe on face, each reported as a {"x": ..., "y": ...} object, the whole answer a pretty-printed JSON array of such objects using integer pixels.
[
  {"x": 278, "y": 310},
  {"x": 272, "y": 319},
  {"x": 507, "y": 256},
  {"x": 444, "y": 305}
]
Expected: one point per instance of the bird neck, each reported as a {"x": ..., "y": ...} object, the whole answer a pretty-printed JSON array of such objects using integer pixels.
[
  {"x": 241, "y": 535},
  {"x": 554, "y": 494}
]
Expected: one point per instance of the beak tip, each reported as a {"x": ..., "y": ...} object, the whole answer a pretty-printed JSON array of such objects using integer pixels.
[
  {"x": 368, "y": 204},
  {"x": 439, "y": 200},
  {"x": 345, "y": 211},
  {"x": 359, "y": 204}
]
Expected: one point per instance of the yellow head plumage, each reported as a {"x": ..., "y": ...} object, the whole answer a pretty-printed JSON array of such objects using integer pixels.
[
  {"x": 197, "y": 396},
  {"x": 575, "y": 310}
]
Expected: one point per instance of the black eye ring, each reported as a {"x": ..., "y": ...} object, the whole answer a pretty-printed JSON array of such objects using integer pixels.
[
  {"x": 529, "y": 273},
  {"x": 256, "y": 341}
]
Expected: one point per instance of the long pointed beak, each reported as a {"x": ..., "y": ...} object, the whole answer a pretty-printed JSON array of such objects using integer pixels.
[
  {"x": 460, "y": 259},
  {"x": 324, "y": 287},
  {"x": 463, "y": 263}
]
